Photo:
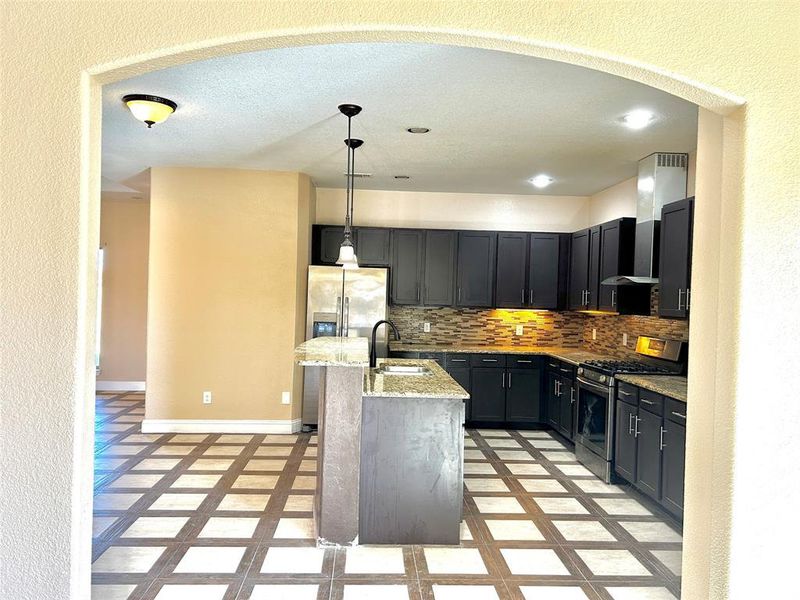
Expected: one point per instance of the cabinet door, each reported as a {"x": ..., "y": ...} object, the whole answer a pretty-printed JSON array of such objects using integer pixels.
[
  {"x": 373, "y": 248},
  {"x": 462, "y": 377},
  {"x": 523, "y": 389},
  {"x": 553, "y": 381},
  {"x": 648, "y": 454},
  {"x": 476, "y": 268},
  {"x": 676, "y": 257},
  {"x": 609, "y": 263},
  {"x": 440, "y": 268},
  {"x": 566, "y": 421},
  {"x": 543, "y": 267},
  {"x": 625, "y": 442},
  {"x": 673, "y": 467},
  {"x": 579, "y": 269},
  {"x": 595, "y": 245},
  {"x": 407, "y": 266},
  {"x": 488, "y": 394},
  {"x": 512, "y": 253},
  {"x": 330, "y": 239}
]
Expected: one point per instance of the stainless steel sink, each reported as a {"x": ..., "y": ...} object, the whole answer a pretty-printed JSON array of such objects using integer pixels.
[{"x": 403, "y": 370}]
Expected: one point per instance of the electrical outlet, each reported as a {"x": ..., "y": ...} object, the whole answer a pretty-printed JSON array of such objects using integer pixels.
[
  {"x": 286, "y": 398},
  {"x": 594, "y": 333},
  {"x": 426, "y": 327},
  {"x": 624, "y": 339},
  {"x": 206, "y": 397},
  {"x": 520, "y": 330}
]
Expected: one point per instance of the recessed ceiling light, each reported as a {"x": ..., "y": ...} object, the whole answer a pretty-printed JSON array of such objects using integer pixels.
[
  {"x": 402, "y": 177},
  {"x": 149, "y": 109},
  {"x": 541, "y": 181},
  {"x": 638, "y": 119},
  {"x": 417, "y": 130}
]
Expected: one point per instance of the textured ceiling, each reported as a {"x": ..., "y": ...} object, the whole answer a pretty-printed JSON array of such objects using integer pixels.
[{"x": 496, "y": 119}]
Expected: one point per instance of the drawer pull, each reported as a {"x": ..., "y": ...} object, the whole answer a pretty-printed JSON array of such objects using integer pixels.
[
  {"x": 489, "y": 359},
  {"x": 677, "y": 414},
  {"x": 458, "y": 360},
  {"x": 566, "y": 370},
  {"x": 625, "y": 393},
  {"x": 526, "y": 362},
  {"x": 647, "y": 402}
]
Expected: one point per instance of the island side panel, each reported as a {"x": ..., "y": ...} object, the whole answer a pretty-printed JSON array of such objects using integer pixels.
[
  {"x": 412, "y": 471},
  {"x": 338, "y": 463}
]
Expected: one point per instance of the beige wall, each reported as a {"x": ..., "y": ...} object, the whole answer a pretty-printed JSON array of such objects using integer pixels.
[
  {"x": 715, "y": 54},
  {"x": 503, "y": 212},
  {"x": 124, "y": 234},
  {"x": 228, "y": 251}
]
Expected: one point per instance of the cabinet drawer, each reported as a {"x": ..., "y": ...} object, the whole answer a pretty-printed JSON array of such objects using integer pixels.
[
  {"x": 651, "y": 401},
  {"x": 627, "y": 392},
  {"x": 456, "y": 360},
  {"x": 675, "y": 410},
  {"x": 437, "y": 356},
  {"x": 515, "y": 361},
  {"x": 488, "y": 360}
]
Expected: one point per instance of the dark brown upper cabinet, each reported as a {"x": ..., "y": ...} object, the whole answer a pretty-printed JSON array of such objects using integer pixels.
[
  {"x": 579, "y": 270},
  {"x": 511, "y": 290},
  {"x": 476, "y": 268},
  {"x": 325, "y": 243},
  {"x": 407, "y": 265},
  {"x": 439, "y": 271},
  {"x": 548, "y": 270},
  {"x": 675, "y": 264},
  {"x": 373, "y": 247}
]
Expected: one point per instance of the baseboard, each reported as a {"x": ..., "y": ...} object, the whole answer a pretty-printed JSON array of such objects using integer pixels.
[
  {"x": 119, "y": 386},
  {"x": 220, "y": 426}
]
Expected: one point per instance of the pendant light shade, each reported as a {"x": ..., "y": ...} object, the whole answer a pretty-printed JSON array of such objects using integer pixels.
[
  {"x": 149, "y": 109},
  {"x": 347, "y": 252}
]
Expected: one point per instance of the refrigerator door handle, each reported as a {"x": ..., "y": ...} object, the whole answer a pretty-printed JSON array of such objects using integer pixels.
[
  {"x": 346, "y": 318},
  {"x": 339, "y": 322}
]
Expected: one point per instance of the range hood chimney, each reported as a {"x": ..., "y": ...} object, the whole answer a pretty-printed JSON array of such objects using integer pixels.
[{"x": 662, "y": 179}]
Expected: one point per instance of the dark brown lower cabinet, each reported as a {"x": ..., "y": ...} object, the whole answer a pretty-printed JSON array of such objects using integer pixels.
[
  {"x": 522, "y": 395},
  {"x": 567, "y": 395},
  {"x": 648, "y": 453},
  {"x": 673, "y": 469},
  {"x": 625, "y": 443},
  {"x": 488, "y": 397}
]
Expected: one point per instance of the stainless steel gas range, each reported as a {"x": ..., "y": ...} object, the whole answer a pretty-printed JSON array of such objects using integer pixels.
[{"x": 594, "y": 440}]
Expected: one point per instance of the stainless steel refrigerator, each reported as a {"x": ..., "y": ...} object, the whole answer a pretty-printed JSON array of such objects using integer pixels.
[{"x": 343, "y": 303}]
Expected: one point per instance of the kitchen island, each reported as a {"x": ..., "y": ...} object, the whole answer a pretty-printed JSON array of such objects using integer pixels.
[{"x": 390, "y": 457}]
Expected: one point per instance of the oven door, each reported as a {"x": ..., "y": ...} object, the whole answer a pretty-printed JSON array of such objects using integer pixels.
[{"x": 595, "y": 418}]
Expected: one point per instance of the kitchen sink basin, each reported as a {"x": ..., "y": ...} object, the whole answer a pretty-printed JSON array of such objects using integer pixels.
[{"x": 403, "y": 370}]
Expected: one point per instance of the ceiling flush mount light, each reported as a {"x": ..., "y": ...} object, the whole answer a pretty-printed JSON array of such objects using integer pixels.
[
  {"x": 541, "y": 181},
  {"x": 347, "y": 252},
  {"x": 149, "y": 109},
  {"x": 638, "y": 119},
  {"x": 417, "y": 130}
]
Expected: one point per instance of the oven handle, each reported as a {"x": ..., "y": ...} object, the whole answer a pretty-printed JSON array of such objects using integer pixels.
[{"x": 601, "y": 389}]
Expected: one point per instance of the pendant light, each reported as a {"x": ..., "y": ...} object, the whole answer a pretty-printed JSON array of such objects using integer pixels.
[
  {"x": 347, "y": 252},
  {"x": 149, "y": 109}
]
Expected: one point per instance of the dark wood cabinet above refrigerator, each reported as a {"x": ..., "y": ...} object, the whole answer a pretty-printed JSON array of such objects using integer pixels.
[{"x": 675, "y": 262}]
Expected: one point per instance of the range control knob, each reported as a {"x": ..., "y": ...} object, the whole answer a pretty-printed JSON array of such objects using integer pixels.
[
  {"x": 580, "y": 370},
  {"x": 603, "y": 378}
]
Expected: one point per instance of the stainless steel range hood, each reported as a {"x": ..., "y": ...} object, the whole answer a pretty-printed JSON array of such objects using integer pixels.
[{"x": 662, "y": 179}]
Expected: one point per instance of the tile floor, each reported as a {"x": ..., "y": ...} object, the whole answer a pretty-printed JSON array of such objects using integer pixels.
[{"x": 224, "y": 517}]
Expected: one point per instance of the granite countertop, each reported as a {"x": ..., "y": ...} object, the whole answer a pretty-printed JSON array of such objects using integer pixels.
[
  {"x": 333, "y": 352},
  {"x": 436, "y": 384},
  {"x": 570, "y": 355},
  {"x": 670, "y": 385}
]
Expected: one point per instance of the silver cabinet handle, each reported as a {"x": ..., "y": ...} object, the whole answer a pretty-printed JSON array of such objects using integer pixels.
[
  {"x": 489, "y": 360},
  {"x": 524, "y": 362},
  {"x": 680, "y": 294},
  {"x": 459, "y": 294},
  {"x": 613, "y": 297},
  {"x": 687, "y": 298},
  {"x": 661, "y": 443},
  {"x": 647, "y": 402},
  {"x": 566, "y": 370},
  {"x": 458, "y": 360},
  {"x": 572, "y": 395},
  {"x": 636, "y": 427},
  {"x": 624, "y": 393},
  {"x": 504, "y": 380},
  {"x": 523, "y": 295},
  {"x": 677, "y": 414},
  {"x": 530, "y": 296},
  {"x": 509, "y": 380},
  {"x": 418, "y": 294},
  {"x": 583, "y": 297},
  {"x": 588, "y": 295},
  {"x": 555, "y": 387},
  {"x": 558, "y": 392},
  {"x": 630, "y": 423}
]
